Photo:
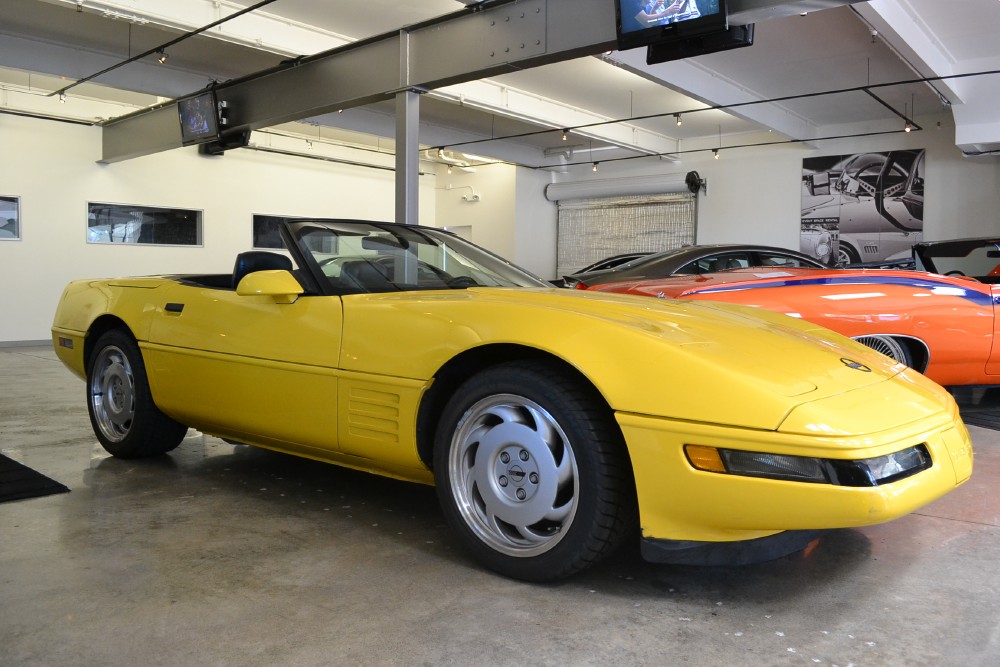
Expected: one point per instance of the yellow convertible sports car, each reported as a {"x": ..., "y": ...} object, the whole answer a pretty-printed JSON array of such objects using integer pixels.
[{"x": 553, "y": 422}]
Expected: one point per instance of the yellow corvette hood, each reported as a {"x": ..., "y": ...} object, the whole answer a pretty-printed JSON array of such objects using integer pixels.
[
  {"x": 698, "y": 361},
  {"x": 782, "y": 354}
]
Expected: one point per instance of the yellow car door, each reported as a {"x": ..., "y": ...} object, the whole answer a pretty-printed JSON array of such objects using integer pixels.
[{"x": 248, "y": 366}]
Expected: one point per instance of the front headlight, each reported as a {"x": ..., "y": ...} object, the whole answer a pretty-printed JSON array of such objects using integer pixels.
[
  {"x": 862, "y": 472},
  {"x": 883, "y": 469}
]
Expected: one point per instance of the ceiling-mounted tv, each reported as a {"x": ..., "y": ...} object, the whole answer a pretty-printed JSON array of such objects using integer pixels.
[
  {"x": 199, "y": 117},
  {"x": 643, "y": 22}
]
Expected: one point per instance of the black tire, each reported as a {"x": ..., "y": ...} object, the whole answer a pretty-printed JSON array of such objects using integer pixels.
[
  {"x": 532, "y": 472},
  {"x": 126, "y": 421}
]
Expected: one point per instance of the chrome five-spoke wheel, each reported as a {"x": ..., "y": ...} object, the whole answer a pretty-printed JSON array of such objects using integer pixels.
[
  {"x": 514, "y": 475},
  {"x": 112, "y": 393},
  {"x": 532, "y": 471},
  {"x": 125, "y": 419}
]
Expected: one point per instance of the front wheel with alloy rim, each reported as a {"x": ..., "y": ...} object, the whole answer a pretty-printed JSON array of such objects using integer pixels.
[
  {"x": 532, "y": 472},
  {"x": 126, "y": 421}
]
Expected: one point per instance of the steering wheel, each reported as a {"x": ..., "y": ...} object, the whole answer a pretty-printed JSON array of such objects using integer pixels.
[{"x": 462, "y": 281}]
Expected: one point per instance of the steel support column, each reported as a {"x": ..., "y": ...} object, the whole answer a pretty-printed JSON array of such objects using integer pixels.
[{"x": 407, "y": 156}]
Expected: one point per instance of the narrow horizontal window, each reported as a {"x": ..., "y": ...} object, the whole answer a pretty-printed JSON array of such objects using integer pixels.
[{"x": 153, "y": 225}]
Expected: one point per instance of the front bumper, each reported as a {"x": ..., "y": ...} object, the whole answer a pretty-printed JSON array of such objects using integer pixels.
[
  {"x": 744, "y": 552},
  {"x": 679, "y": 503}
]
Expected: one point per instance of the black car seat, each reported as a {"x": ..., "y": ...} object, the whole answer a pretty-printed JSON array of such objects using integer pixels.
[
  {"x": 368, "y": 275},
  {"x": 258, "y": 260}
]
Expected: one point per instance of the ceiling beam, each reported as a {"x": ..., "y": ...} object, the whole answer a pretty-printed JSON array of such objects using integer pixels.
[{"x": 473, "y": 43}]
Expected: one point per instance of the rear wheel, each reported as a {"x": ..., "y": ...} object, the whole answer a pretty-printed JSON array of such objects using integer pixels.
[
  {"x": 126, "y": 421},
  {"x": 532, "y": 472}
]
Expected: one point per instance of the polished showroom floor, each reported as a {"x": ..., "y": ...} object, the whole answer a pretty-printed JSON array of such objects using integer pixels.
[{"x": 229, "y": 555}]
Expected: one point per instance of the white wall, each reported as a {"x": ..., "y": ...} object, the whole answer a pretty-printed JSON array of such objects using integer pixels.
[
  {"x": 491, "y": 217},
  {"x": 536, "y": 228},
  {"x": 511, "y": 218},
  {"x": 52, "y": 168}
]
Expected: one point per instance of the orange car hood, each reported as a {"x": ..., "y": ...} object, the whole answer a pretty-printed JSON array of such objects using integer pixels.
[{"x": 764, "y": 277}]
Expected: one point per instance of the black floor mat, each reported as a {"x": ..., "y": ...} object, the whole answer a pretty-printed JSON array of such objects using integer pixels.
[{"x": 18, "y": 482}]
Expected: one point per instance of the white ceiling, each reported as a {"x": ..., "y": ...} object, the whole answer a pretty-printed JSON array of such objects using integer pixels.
[{"x": 46, "y": 44}]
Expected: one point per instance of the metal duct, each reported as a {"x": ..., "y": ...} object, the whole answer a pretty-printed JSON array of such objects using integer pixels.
[{"x": 657, "y": 184}]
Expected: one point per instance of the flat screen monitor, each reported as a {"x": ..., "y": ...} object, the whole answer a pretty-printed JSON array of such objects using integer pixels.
[
  {"x": 643, "y": 22},
  {"x": 199, "y": 119}
]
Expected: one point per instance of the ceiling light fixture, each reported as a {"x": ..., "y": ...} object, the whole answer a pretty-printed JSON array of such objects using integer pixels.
[
  {"x": 565, "y": 136},
  {"x": 62, "y": 98},
  {"x": 449, "y": 168},
  {"x": 908, "y": 127},
  {"x": 131, "y": 18},
  {"x": 594, "y": 168},
  {"x": 677, "y": 117},
  {"x": 715, "y": 153},
  {"x": 161, "y": 56}
]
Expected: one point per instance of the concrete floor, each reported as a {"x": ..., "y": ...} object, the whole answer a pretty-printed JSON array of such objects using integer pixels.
[{"x": 230, "y": 555}]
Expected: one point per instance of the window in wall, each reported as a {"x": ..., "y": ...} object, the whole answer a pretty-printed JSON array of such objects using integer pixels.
[
  {"x": 593, "y": 229},
  {"x": 10, "y": 222},
  {"x": 265, "y": 230},
  {"x": 131, "y": 224}
]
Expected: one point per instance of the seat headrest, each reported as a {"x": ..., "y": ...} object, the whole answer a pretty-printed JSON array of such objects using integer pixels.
[{"x": 258, "y": 260}]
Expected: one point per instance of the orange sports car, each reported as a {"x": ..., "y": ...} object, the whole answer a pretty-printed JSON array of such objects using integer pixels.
[{"x": 941, "y": 325}]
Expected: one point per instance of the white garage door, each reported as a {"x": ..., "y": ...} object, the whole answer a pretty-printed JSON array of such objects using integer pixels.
[{"x": 592, "y": 229}]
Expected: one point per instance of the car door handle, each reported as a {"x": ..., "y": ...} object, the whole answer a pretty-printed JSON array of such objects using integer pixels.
[{"x": 174, "y": 308}]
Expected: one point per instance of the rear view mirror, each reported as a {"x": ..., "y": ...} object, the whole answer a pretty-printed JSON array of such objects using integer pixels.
[
  {"x": 383, "y": 243},
  {"x": 818, "y": 183}
]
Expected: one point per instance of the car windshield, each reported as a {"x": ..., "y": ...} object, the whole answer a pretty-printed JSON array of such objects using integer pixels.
[
  {"x": 652, "y": 259},
  {"x": 974, "y": 258},
  {"x": 385, "y": 257}
]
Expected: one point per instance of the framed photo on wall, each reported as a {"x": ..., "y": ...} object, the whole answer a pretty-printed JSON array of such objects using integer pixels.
[
  {"x": 863, "y": 209},
  {"x": 10, "y": 218}
]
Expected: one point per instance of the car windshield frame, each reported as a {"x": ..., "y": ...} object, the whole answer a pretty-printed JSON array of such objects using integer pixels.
[{"x": 371, "y": 257}]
